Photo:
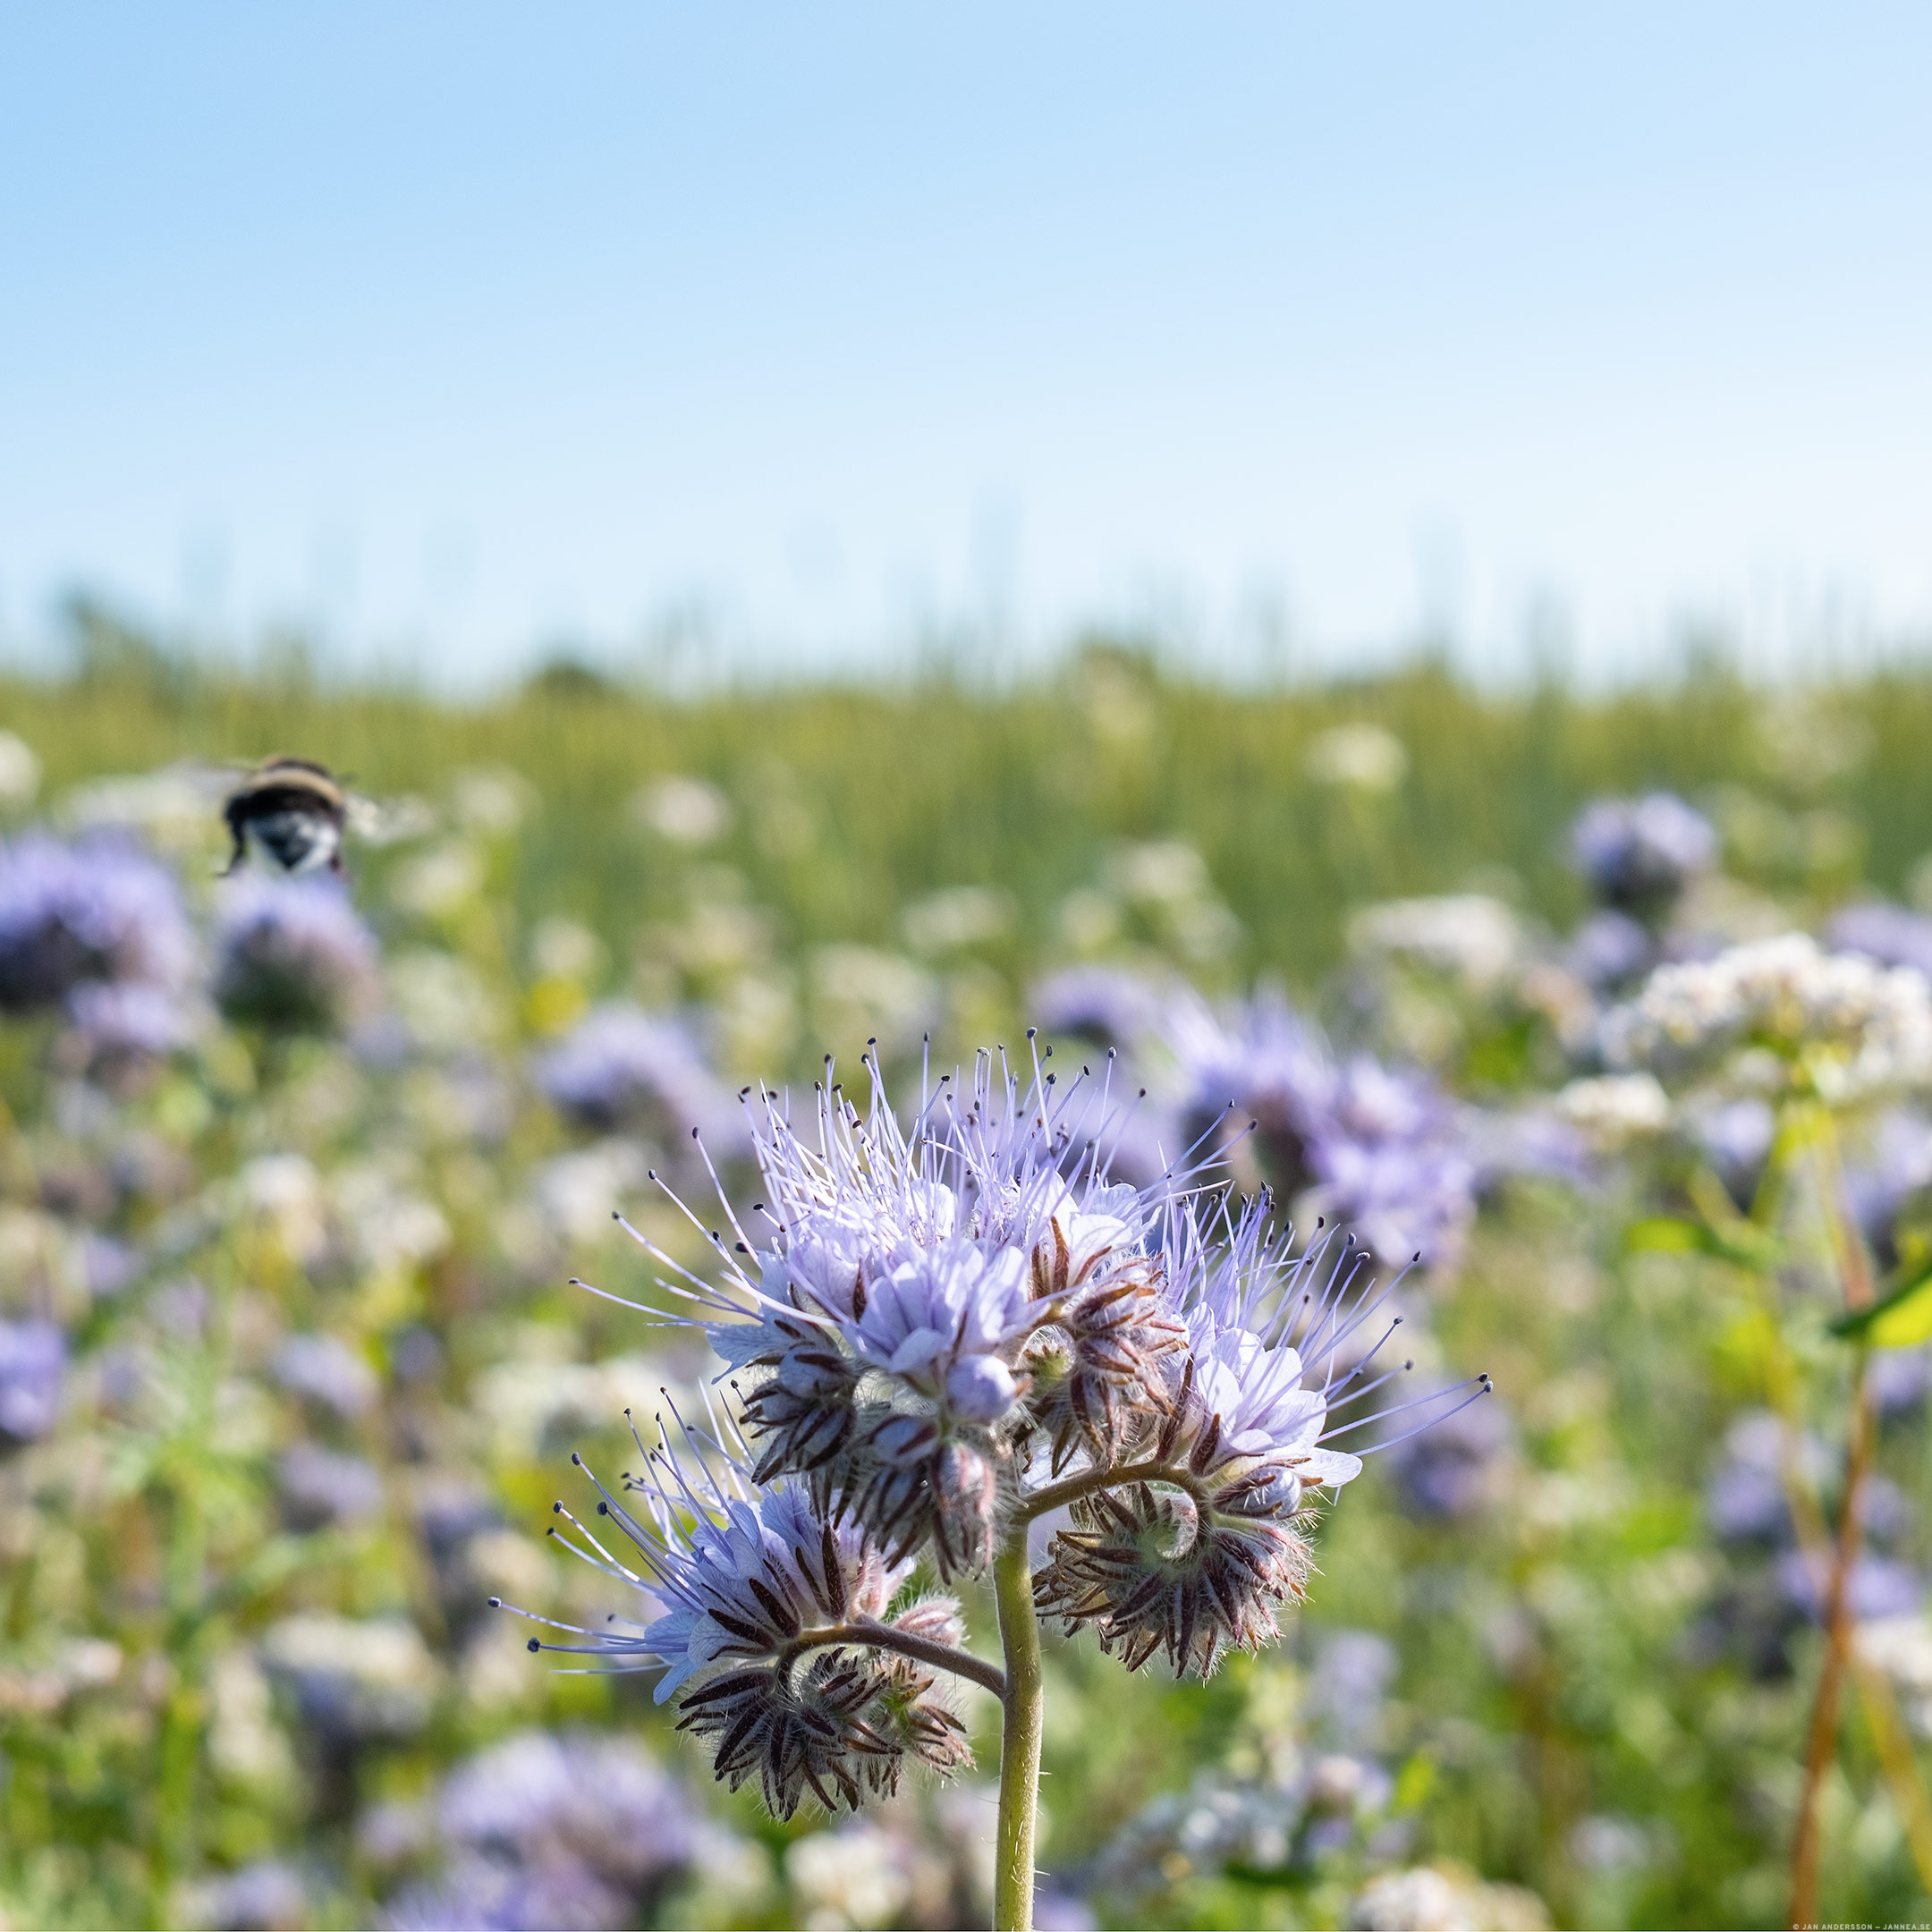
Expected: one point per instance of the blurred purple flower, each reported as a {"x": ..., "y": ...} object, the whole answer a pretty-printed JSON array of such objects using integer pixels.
[
  {"x": 119, "y": 1031},
  {"x": 479, "y": 1895},
  {"x": 1744, "y": 1499},
  {"x": 1638, "y": 854},
  {"x": 1889, "y": 934},
  {"x": 1888, "y": 1514},
  {"x": 1349, "y": 1684},
  {"x": 1879, "y": 1587},
  {"x": 1881, "y": 1178},
  {"x": 1108, "y": 1004},
  {"x": 1610, "y": 949},
  {"x": 352, "y": 1680},
  {"x": 1268, "y": 1065},
  {"x": 319, "y": 1488},
  {"x": 291, "y": 954},
  {"x": 98, "y": 909},
  {"x": 33, "y": 1359},
  {"x": 622, "y": 1067},
  {"x": 1055, "y": 1911},
  {"x": 1899, "y": 1378},
  {"x": 1452, "y": 1470},
  {"x": 327, "y": 1370},
  {"x": 1526, "y": 1140},
  {"x": 1736, "y": 1140},
  {"x": 546, "y": 1803},
  {"x": 109, "y": 1265},
  {"x": 1374, "y": 1149},
  {"x": 266, "y": 1896}
]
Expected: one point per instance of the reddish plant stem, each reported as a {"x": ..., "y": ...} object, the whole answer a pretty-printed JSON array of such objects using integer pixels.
[{"x": 1822, "y": 1745}]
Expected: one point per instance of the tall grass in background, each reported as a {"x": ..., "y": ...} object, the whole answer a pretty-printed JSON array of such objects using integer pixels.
[{"x": 855, "y": 801}]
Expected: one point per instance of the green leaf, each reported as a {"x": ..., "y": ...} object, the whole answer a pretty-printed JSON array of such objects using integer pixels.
[
  {"x": 1414, "y": 1782},
  {"x": 1900, "y": 1319},
  {"x": 1664, "y": 1236},
  {"x": 1737, "y": 1243}
]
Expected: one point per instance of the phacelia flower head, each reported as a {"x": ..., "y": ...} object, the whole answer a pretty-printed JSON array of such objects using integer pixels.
[
  {"x": 913, "y": 1287},
  {"x": 1609, "y": 949},
  {"x": 943, "y": 1333},
  {"x": 1276, "y": 1343},
  {"x": 766, "y": 1609},
  {"x": 623, "y": 1068},
  {"x": 1837, "y": 1024},
  {"x": 942, "y": 1310},
  {"x": 291, "y": 955},
  {"x": 1638, "y": 854},
  {"x": 97, "y": 910}
]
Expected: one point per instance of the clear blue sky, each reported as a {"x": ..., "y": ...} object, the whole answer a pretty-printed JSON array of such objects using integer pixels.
[{"x": 455, "y": 329}]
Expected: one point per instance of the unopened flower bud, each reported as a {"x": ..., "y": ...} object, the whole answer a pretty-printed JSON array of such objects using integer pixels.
[
  {"x": 964, "y": 1493},
  {"x": 935, "y": 1618},
  {"x": 981, "y": 1388},
  {"x": 904, "y": 1441},
  {"x": 820, "y": 1374}
]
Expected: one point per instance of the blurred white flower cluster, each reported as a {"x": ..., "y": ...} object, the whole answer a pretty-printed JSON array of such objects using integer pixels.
[{"x": 1847, "y": 1027}]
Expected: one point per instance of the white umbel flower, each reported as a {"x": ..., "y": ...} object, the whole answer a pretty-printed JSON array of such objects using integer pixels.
[
  {"x": 1847, "y": 1027},
  {"x": 1614, "y": 1109}
]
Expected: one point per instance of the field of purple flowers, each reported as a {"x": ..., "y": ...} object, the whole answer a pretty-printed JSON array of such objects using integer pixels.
[{"x": 1602, "y": 1027}]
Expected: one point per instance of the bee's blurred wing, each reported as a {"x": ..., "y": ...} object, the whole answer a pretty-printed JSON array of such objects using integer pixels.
[{"x": 390, "y": 821}]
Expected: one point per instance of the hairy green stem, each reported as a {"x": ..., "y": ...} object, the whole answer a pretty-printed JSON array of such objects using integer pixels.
[
  {"x": 864, "y": 1631},
  {"x": 1019, "y": 1735},
  {"x": 1089, "y": 1481}
]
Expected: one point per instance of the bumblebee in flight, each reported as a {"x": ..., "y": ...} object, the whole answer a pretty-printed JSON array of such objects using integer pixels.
[{"x": 288, "y": 816}]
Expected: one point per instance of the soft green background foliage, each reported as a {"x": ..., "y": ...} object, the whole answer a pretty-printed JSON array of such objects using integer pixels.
[{"x": 1557, "y": 1660}]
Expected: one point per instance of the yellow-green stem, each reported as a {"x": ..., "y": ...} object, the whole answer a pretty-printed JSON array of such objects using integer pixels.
[{"x": 1020, "y": 1736}]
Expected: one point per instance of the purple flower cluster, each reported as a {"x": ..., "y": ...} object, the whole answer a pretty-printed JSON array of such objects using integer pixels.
[
  {"x": 938, "y": 1332},
  {"x": 771, "y": 1607},
  {"x": 291, "y": 955},
  {"x": 97, "y": 911},
  {"x": 1365, "y": 1146},
  {"x": 33, "y": 1361},
  {"x": 1610, "y": 950},
  {"x": 1453, "y": 1473},
  {"x": 1638, "y": 854},
  {"x": 130, "y": 1021},
  {"x": 1884, "y": 1175},
  {"x": 547, "y": 1829},
  {"x": 1105, "y": 1004},
  {"x": 1888, "y": 934},
  {"x": 1777, "y": 1587}
]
